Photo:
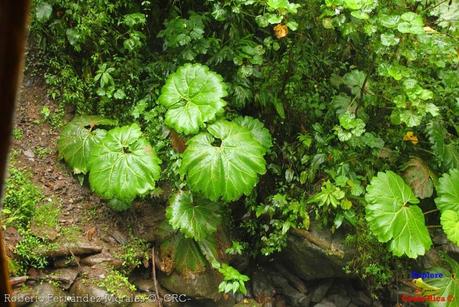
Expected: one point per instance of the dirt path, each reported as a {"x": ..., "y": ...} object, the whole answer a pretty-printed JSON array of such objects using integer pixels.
[{"x": 36, "y": 151}]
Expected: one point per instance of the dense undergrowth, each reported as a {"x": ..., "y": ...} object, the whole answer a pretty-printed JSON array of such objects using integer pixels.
[{"x": 345, "y": 112}]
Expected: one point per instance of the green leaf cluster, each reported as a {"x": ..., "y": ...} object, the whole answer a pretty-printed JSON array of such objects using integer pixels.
[{"x": 121, "y": 163}]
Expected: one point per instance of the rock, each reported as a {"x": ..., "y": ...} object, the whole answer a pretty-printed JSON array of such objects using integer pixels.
[
  {"x": 339, "y": 300},
  {"x": 66, "y": 262},
  {"x": 439, "y": 238},
  {"x": 292, "y": 279},
  {"x": 29, "y": 154},
  {"x": 145, "y": 285},
  {"x": 65, "y": 277},
  {"x": 44, "y": 232},
  {"x": 249, "y": 303},
  {"x": 316, "y": 254},
  {"x": 119, "y": 237},
  {"x": 292, "y": 295},
  {"x": 319, "y": 293},
  {"x": 73, "y": 249},
  {"x": 23, "y": 296},
  {"x": 149, "y": 218},
  {"x": 361, "y": 299},
  {"x": 17, "y": 281},
  {"x": 325, "y": 303},
  {"x": 199, "y": 286},
  {"x": 101, "y": 258},
  {"x": 49, "y": 296},
  {"x": 262, "y": 287},
  {"x": 84, "y": 288}
]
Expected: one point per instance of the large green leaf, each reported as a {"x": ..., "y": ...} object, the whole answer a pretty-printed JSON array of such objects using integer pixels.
[
  {"x": 123, "y": 165},
  {"x": 446, "y": 153},
  {"x": 228, "y": 169},
  {"x": 448, "y": 191},
  {"x": 390, "y": 216},
  {"x": 450, "y": 221},
  {"x": 448, "y": 284},
  {"x": 418, "y": 175},
  {"x": 258, "y": 130},
  {"x": 195, "y": 218},
  {"x": 78, "y": 138},
  {"x": 193, "y": 96}
]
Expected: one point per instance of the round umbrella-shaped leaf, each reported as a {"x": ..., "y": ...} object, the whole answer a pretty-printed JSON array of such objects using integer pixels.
[
  {"x": 193, "y": 96},
  {"x": 123, "y": 165},
  {"x": 223, "y": 162},
  {"x": 448, "y": 191},
  {"x": 392, "y": 218},
  {"x": 195, "y": 218},
  {"x": 258, "y": 130},
  {"x": 78, "y": 138},
  {"x": 450, "y": 221}
]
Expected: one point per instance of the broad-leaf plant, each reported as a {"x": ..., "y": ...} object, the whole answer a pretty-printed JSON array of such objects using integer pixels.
[{"x": 221, "y": 162}]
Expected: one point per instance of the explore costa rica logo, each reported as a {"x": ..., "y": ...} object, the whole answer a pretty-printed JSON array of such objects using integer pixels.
[
  {"x": 418, "y": 297},
  {"x": 425, "y": 292},
  {"x": 424, "y": 275}
]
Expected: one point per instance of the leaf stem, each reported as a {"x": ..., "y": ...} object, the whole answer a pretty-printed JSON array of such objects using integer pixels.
[
  {"x": 431, "y": 211},
  {"x": 434, "y": 226}
]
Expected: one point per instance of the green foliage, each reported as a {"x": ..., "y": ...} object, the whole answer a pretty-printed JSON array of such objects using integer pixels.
[
  {"x": 43, "y": 11},
  {"x": 20, "y": 199},
  {"x": 123, "y": 165},
  {"x": 223, "y": 162},
  {"x": 372, "y": 263},
  {"x": 18, "y": 134},
  {"x": 393, "y": 216},
  {"x": 78, "y": 139},
  {"x": 233, "y": 281},
  {"x": 41, "y": 152},
  {"x": 337, "y": 83},
  {"x": 446, "y": 152},
  {"x": 450, "y": 222},
  {"x": 349, "y": 127},
  {"x": 236, "y": 248},
  {"x": 274, "y": 218},
  {"x": 134, "y": 253},
  {"x": 30, "y": 251},
  {"x": 332, "y": 198},
  {"x": 46, "y": 215},
  {"x": 448, "y": 191},
  {"x": 117, "y": 284},
  {"x": 196, "y": 218},
  {"x": 258, "y": 130},
  {"x": 193, "y": 96},
  {"x": 448, "y": 202}
]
